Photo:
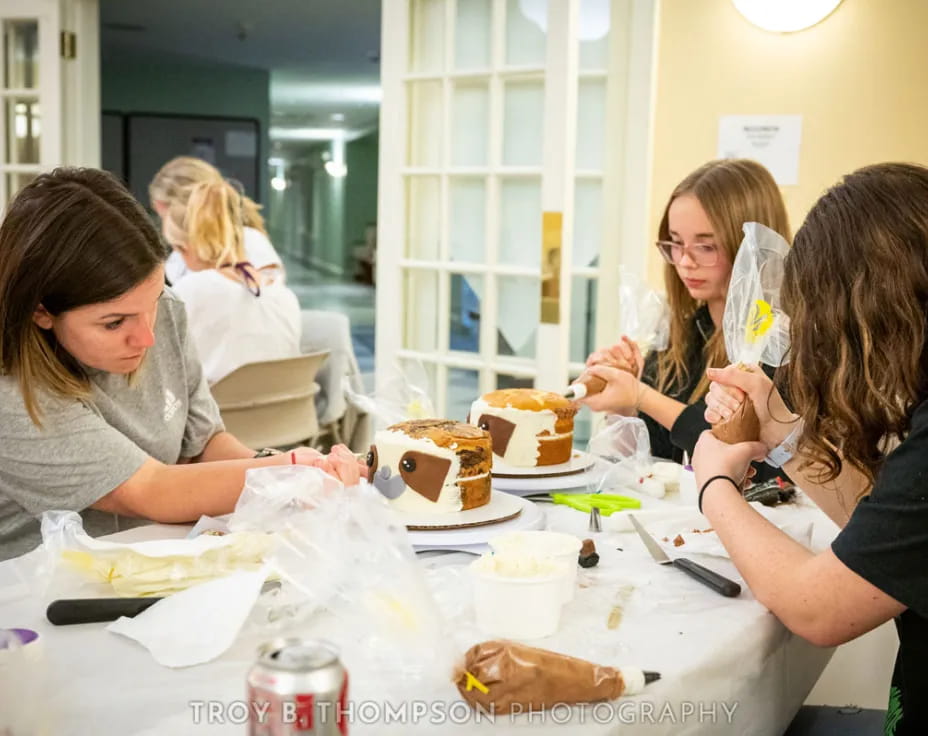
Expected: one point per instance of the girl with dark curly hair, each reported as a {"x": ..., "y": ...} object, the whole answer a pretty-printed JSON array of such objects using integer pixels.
[{"x": 856, "y": 435}]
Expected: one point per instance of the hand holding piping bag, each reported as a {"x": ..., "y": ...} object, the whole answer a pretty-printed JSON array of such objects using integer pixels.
[
  {"x": 755, "y": 327},
  {"x": 604, "y": 388},
  {"x": 623, "y": 356}
]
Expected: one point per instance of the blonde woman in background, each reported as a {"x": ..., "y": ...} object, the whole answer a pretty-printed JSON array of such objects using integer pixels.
[
  {"x": 169, "y": 193},
  {"x": 237, "y": 313},
  {"x": 698, "y": 236}
]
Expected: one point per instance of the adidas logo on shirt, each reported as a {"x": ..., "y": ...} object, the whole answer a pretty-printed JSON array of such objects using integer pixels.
[{"x": 171, "y": 405}]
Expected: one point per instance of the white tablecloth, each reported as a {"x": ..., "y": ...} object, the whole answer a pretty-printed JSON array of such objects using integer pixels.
[{"x": 728, "y": 666}]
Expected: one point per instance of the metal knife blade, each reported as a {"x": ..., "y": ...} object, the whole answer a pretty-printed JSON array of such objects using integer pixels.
[
  {"x": 719, "y": 583},
  {"x": 657, "y": 552}
]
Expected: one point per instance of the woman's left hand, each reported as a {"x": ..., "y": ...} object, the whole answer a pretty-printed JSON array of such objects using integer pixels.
[
  {"x": 714, "y": 457},
  {"x": 624, "y": 355},
  {"x": 342, "y": 463}
]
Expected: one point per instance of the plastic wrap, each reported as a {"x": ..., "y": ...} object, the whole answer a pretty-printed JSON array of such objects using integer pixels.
[
  {"x": 344, "y": 553},
  {"x": 756, "y": 328},
  {"x": 644, "y": 315},
  {"x": 622, "y": 449},
  {"x": 405, "y": 394},
  {"x": 156, "y": 567}
]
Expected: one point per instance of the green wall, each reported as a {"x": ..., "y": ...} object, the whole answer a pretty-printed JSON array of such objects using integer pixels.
[
  {"x": 134, "y": 81},
  {"x": 328, "y": 221},
  {"x": 360, "y": 192},
  {"x": 319, "y": 219}
]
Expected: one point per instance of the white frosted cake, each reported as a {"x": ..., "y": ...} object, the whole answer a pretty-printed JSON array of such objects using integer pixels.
[
  {"x": 432, "y": 466},
  {"x": 529, "y": 427}
]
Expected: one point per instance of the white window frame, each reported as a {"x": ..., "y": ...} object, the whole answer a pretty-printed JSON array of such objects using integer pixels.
[{"x": 625, "y": 175}]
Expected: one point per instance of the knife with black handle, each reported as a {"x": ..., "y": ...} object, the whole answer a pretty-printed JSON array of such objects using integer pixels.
[
  {"x": 66, "y": 611},
  {"x": 719, "y": 583}
]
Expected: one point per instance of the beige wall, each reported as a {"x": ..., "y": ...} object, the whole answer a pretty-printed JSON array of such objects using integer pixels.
[{"x": 859, "y": 79}]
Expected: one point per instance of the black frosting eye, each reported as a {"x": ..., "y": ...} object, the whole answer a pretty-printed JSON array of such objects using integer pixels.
[
  {"x": 408, "y": 464},
  {"x": 372, "y": 457},
  {"x": 485, "y": 426}
]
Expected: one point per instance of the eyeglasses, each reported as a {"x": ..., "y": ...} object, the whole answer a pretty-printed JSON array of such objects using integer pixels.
[{"x": 702, "y": 254}]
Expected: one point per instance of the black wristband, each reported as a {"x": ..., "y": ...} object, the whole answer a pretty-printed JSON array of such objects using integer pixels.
[{"x": 706, "y": 485}]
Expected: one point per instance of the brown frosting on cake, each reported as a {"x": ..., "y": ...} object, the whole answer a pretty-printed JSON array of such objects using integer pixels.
[
  {"x": 533, "y": 399},
  {"x": 529, "y": 399},
  {"x": 443, "y": 432},
  {"x": 554, "y": 450},
  {"x": 471, "y": 445}
]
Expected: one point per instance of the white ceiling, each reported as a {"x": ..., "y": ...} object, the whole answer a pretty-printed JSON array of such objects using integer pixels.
[{"x": 323, "y": 54}]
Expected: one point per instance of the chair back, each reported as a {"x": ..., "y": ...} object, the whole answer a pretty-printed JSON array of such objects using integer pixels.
[{"x": 272, "y": 403}]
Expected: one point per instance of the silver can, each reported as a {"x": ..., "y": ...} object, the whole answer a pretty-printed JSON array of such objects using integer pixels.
[{"x": 298, "y": 687}]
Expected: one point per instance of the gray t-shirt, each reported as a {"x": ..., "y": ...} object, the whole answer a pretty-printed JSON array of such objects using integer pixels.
[{"x": 84, "y": 450}]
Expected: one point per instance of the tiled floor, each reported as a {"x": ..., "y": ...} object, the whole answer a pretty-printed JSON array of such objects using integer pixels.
[{"x": 356, "y": 301}]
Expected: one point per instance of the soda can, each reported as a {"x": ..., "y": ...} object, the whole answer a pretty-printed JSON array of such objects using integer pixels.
[{"x": 298, "y": 687}]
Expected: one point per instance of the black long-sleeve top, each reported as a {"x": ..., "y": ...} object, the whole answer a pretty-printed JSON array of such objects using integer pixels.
[{"x": 670, "y": 444}]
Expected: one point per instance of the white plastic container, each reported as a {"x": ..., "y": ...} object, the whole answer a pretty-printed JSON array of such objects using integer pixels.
[
  {"x": 543, "y": 545},
  {"x": 21, "y": 682},
  {"x": 524, "y": 605},
  {"x": 689, "y": 493}
]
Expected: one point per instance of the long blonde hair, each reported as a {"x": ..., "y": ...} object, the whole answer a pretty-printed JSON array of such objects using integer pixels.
[
  {"x": 175, "y": 181},
  {"x": 209, "y": 226},
  {"x": 732, "y": 192}
]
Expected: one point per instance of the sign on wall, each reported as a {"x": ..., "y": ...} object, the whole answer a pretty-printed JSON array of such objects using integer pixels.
[{"x": 772, "y": 140}]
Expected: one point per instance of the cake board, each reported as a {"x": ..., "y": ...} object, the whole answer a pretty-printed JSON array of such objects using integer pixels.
[
  {"x": 579, "y": 462},
  {"x": 531, "y": 516},
  {"x": 502, "y": 507}
]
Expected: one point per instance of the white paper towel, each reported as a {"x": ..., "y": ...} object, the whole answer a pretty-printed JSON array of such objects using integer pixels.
[{"x": 198, "y": 624}]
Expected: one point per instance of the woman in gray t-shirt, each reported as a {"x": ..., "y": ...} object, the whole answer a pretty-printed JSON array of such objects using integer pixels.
[{"x": 103, "y": 405}]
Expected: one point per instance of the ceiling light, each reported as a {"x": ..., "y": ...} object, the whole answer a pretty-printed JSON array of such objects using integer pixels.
[
  {"x": 785, "y": 16},
  {"x": 282, "y": 133},
  {"x": 336, "y": 169}
]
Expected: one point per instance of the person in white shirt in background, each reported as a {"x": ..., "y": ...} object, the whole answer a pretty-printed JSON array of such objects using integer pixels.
[
  {"x": 237, "y": 312},
  {"x": 169, "y": 192}
]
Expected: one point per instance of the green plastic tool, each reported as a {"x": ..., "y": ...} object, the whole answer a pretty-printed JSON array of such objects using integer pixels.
[{"x": 606, "y": 503}]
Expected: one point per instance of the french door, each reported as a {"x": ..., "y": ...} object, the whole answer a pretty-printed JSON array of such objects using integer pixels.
[{"x": 513, "y": 170}]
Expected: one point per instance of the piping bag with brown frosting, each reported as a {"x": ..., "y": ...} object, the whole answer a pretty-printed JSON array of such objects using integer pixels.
[
  {"x": 742, "y": 426},
  {"x": 585, "y": 386},
  {"x": 503, "y": 676},
  {"x": 755, "y": 327}
]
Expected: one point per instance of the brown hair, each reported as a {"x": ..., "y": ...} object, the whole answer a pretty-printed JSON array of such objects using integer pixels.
[
  {"x": 856, "y": 289},
  {"x": 70, "y": 238},
  {"x": 175, "y": 181},
  {"x": 732, "y": 192}
]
